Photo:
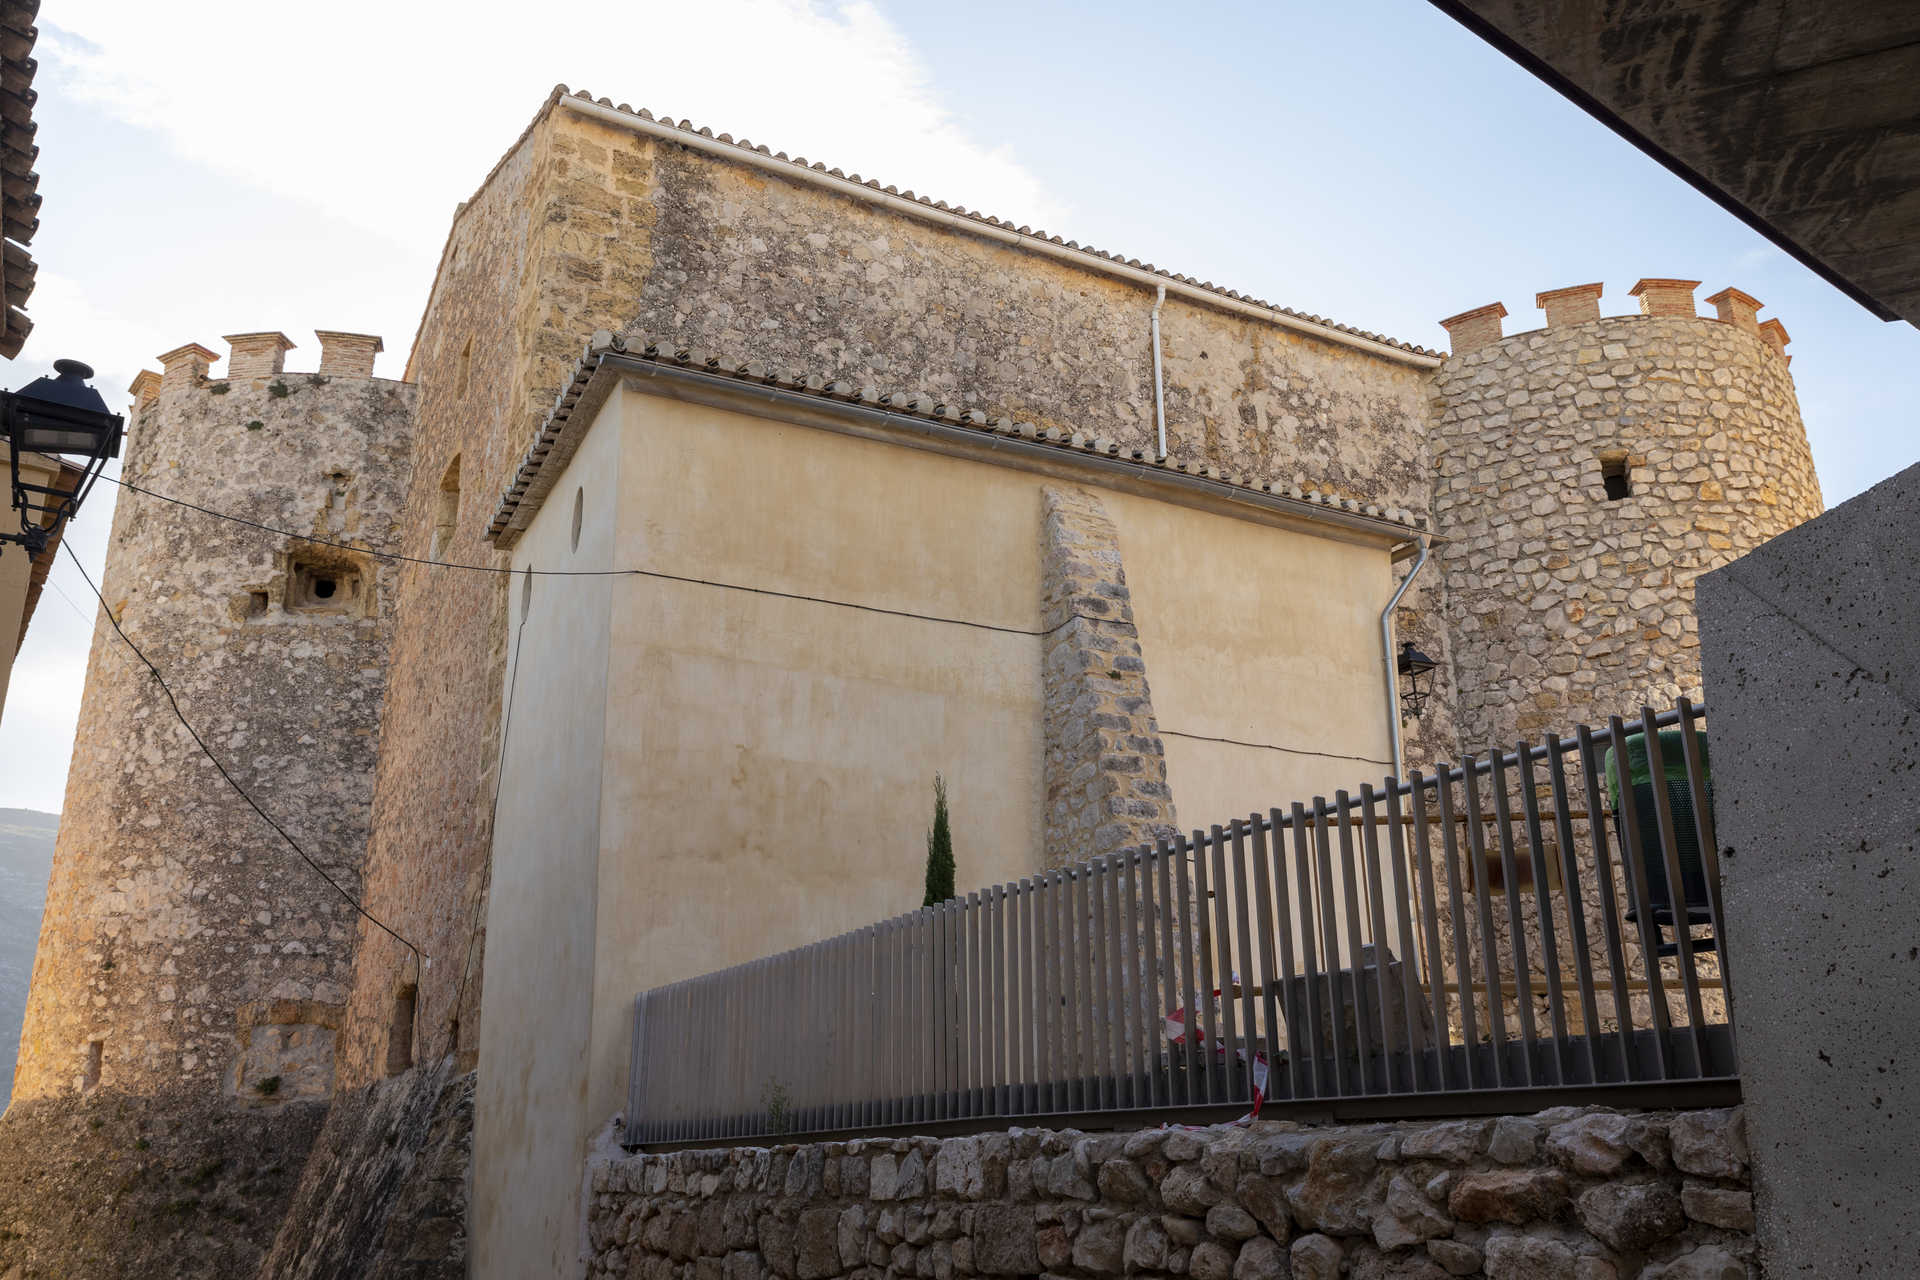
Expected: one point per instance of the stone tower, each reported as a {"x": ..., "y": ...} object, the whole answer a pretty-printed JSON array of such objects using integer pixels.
[
  {"x": 1586, "y": 473},
  {"x": 184, "y": 944}
]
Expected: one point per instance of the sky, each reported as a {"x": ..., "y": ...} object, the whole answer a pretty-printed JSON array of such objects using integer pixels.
[{"x": 244, "y": 166}]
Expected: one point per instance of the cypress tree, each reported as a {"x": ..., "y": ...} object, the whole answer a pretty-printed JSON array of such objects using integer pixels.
[{"x": 939, "y": 849}]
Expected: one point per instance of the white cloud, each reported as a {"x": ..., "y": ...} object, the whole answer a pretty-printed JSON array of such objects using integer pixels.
[
  {"x": 386, "y": 115},
  {"x": 292, "y": 166}
]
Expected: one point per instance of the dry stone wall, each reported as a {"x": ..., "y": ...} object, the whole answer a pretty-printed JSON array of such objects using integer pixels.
[
  {"x": 1587, "y": 1195},
  {"x": 184, "y": 945}
]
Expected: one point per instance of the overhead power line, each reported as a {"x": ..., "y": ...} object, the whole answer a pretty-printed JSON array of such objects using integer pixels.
[
  {"x": 397, "y": 558},
  {"x": 230, "y": 780}
]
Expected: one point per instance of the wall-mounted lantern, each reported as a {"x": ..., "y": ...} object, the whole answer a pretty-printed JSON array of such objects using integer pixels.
[
  {"x": 65, "y": 419},
  {"x": 1416, "y": 680}
]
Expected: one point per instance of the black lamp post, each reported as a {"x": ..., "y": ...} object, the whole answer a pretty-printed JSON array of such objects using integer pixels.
[
  {"x": 63, "y": 418},
  {"x": 1416, "y": 671}
]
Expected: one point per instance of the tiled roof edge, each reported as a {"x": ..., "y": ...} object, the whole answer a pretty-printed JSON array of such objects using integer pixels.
[
  {"x": 800, "y": 165},
  {"x": 556, "y": 439}
]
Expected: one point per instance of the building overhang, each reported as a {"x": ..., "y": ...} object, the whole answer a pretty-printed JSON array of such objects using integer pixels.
[
  {"x": 921, "y": 422},
  {"x": 1796, "y": 117}
]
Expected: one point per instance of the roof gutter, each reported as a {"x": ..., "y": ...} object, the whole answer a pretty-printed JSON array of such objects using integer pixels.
[{"x": 986, "y": 230}]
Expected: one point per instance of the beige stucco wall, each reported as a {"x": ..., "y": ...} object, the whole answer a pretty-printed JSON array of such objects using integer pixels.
[
  {"x": 1263, "y": 649},
  {"x": 771, "y": 759},
  {"x": 767, "y": 768},
  {"x": 530, "y": 1118}
]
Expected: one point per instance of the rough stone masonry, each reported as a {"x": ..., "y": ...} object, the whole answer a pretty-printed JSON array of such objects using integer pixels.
[{"x": 1562, "y": 1195}]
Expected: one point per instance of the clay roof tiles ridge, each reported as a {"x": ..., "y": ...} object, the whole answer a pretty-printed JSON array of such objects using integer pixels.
[{"x": 553, "y": 443}]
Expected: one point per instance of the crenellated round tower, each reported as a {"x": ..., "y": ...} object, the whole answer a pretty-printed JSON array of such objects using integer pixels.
[
  {"x": 1586, "y": 473},
  {"x": 184, "y": 945}
]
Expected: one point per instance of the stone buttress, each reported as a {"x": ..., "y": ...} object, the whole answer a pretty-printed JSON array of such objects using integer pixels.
[{"x": 1106, "y": 772}]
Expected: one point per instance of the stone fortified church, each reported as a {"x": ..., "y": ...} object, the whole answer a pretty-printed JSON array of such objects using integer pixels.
[{"x": 1571, "y": 480}]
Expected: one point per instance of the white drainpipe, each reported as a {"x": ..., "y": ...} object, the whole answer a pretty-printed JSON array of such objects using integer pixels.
[
  {"x": 1393, "y": 666},
  {"x": 1159, "y": 390}
]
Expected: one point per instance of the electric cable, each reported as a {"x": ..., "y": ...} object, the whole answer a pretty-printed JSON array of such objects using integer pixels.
[
  {"x": 230, "y": 780},
  {"x": 397, "y": 558}
]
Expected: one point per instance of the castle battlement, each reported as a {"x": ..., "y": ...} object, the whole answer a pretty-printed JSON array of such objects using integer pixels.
[
  {"x": 253, "y": 358},
  {"x": 1660, "y": 298},
  {"x": 1584, "y": 474}
]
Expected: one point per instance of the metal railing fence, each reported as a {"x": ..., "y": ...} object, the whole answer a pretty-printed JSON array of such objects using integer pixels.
[{"x": 1422, "y": 942}]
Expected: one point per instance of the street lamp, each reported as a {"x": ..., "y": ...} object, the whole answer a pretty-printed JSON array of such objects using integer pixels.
[
  {"x": 62, "y": 418},
  {"x": 1415, "y": 669}
]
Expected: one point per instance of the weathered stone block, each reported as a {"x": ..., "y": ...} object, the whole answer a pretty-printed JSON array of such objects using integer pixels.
[
  {"x": 1407, "y": 1217},
  {"x": 1712, "y": 1144},
  {"x": 1316, "y": 1257},
  {"x": 1517, "y": 1257},
  {"x": 1630, "y": 1216},
  {"x": 1508, "y": 1195},
  {"x": 1340, "y": 1193},
  {"x": 1718, "y": 1206},
  {"x": 1003, "y": 1241}
]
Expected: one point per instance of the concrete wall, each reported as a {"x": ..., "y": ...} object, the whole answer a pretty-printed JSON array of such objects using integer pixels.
[
  {"x": 1808, "y": 645},
  {"x": 531, "y": 1114}
]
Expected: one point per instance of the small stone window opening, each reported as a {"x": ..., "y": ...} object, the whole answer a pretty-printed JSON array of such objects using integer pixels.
[
  {"x": 1613, "y": 474},
  {"x": 446, "y": 516},
  {"x": 466, "y": 366},
  {"x": 256, "y": 604},
  {"x": 90, "y": 1074},
  {"x": 579, "y": 498},
  {"x": 318, "y": 585},
  {"x": 400, "y": 1034}
]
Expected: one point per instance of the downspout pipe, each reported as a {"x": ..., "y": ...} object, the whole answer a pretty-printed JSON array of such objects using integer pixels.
[
  {"x": 1159, "y": 387},
  {"x": 1393, "y": 666}
]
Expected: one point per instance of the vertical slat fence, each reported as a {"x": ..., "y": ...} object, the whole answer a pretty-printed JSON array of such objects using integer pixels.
[{"x": 1522, "y": 920}]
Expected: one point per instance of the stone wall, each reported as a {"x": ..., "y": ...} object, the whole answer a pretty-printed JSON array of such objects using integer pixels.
[
  {"x": 384, "y": 1193},
  {"x": 184, "y": 945},
  {"x": 588, "y": 225},
  {"x": 1564, "y": 606},
  {"x": 1106, "y": 770},
  {"x": 1591, "y": 1195},
  {"x": 112, "y": 1186}
]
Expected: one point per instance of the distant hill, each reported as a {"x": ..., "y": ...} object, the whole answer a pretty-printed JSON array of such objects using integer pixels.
[{"x": 26, "y": 855}]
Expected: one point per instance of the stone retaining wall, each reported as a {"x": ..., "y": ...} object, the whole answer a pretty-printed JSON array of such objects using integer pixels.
[{"x": 1593, "y": 1195}]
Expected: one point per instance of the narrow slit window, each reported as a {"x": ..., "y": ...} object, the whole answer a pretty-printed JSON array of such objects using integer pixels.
[
  {"x": 1613, "y": 474},
  {"x": 466, "y": 366},
  {"x": 400, "y": 1034},
  {"x": 446, "y": 516}
]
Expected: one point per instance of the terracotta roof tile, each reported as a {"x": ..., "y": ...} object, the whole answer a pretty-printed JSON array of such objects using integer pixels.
[{"x": 557, "y": 437}]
